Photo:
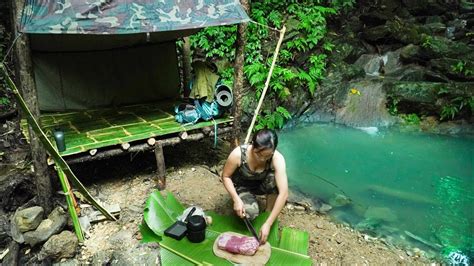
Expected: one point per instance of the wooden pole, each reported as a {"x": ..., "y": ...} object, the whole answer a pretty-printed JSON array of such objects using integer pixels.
[
  {"x": 267, "y": 82},
  {"x": 24, "y": 68},
  {"x": 237, "y": 89},
  {"x": 186, "y": 52},
  {"x": 160, "y": 166}
]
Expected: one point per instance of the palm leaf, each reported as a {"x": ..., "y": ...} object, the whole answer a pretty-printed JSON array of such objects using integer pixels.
[{"x": 161, "y": 212}]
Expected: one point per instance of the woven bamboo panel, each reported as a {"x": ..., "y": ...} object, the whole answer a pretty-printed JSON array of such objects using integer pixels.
[{"x": 93, "y": 129}]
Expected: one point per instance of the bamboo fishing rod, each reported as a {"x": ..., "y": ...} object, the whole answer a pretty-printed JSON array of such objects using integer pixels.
[{"x": 267, "y": 83}]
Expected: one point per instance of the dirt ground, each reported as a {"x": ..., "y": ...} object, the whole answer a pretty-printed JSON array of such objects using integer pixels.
[{"x": 191, "y": 179}]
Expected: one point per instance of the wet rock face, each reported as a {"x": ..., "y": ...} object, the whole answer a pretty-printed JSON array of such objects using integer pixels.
[
  {"x": 421, "y": 51},
  {"x": 15, "y": 190}
]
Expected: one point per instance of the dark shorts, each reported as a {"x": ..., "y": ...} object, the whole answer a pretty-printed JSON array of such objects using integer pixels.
[{"x": 248, "y": 189}]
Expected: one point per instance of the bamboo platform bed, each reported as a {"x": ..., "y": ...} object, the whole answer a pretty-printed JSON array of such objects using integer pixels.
[{"x": 87, "y": 131}]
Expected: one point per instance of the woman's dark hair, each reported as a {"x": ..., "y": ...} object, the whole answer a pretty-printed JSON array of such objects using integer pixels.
[{"x": 265, "y": 139}]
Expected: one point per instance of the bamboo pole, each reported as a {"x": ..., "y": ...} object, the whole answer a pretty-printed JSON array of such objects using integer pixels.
[
  {"x": 70, "y": 204},
  {"x": 59, "y": 161},
  {"x": 267, "y": 83}
]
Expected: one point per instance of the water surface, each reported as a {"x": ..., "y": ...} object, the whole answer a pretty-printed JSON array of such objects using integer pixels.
[{"x": 414, "y": 189}]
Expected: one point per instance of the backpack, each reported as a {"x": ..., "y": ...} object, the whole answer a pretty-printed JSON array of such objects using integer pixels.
[{"x": 188, "y": 113}]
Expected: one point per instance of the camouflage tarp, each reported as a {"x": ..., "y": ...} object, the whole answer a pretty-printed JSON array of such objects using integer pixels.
[{"x": 127, "y": 16}]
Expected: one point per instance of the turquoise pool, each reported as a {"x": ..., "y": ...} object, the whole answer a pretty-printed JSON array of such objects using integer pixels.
[{"x": 414, "y": 189}]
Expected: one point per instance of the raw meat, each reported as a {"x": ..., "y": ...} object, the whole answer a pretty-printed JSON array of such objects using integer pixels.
[{"x": 243, "y": 245}]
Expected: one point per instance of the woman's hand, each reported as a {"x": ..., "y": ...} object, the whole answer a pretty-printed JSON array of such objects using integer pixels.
[
  {"x": 239, "y": 208},
  {"x": 264, "y": 231}
]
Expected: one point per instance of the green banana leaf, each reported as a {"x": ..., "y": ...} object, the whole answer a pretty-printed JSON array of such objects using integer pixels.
[
  {"x": 59, "y": 161},
  {"x": 160, "y": 212},
  {"x": 294, "y": 240}
]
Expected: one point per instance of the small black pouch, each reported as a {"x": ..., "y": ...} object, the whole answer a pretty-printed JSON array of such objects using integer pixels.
[{"x": 178, "y": 229}]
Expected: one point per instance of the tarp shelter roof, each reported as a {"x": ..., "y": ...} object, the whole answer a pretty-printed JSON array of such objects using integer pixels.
[{"x": 127, "y": 16}]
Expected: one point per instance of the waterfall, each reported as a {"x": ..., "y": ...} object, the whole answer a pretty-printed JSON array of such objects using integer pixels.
[{"x": 365, "y": 106}]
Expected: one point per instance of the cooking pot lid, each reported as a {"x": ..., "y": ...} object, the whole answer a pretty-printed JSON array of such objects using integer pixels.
[{"x": 196, "y": 223}]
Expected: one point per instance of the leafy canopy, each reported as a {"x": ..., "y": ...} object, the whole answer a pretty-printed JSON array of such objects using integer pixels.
[{"x": 307, "y": 27}]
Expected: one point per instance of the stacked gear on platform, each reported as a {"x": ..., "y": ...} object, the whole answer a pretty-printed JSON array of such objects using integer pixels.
[{"x": 208, "y": 98}]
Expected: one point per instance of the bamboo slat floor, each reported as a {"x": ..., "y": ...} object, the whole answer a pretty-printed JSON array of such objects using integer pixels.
[{"x": 98, "y": 128}]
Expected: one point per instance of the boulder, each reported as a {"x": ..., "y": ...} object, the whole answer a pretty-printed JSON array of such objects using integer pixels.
[
  {"x": 339, "y": 200},
  {"x": 380, "y": 214},
  {"x": 448, "y": 67},
  {"x": 48, "y": 227},
  {"x": 436, "y": 28},
  {"x": 424, "y": 7},
  {"x": 439, "y": 47},
  {"x": 12, "y": 258},
  {"x": 376, "y": 33},
  {"x": 28, "y": 219},
  {"x": 63, "y": 245},
  {"x": 417, "y": 73},
  {"x": 413, "y": 53},
  {"x": 428, "y": 92},
  {"x": 4, "y": 230}
]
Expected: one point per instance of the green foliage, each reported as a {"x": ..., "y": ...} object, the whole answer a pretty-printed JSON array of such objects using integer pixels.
[
  {"x": 393, "y": 106},
  {"x": 307, "y": 21},
  {"x": 427, "y": 41},
  {"x": 274, "y": 119},
  {"x": 412, "y": 119},
  {"x": 4, "y": 101},
  {"x": 464, "y": 68},
  {"x": 451, "y": 109}
]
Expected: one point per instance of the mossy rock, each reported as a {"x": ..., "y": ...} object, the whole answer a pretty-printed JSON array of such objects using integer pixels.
[{"x": 427, "y": 92}]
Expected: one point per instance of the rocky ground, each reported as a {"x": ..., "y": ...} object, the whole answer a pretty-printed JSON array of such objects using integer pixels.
[{"x": 190, "y": 177}]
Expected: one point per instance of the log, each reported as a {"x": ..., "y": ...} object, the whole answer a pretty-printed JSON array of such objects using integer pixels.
[
  {"x": 151, "y": 141},
  {"x": 160, "y": 166},
  {"x": 125, "y": 145},
  {"x": 183, "y": 135},
  {"x": 401, "y": 195},
  {"x": 107, "y": 153}
]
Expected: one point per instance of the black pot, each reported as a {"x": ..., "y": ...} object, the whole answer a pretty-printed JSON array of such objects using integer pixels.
[{"x": 196, "y": 228}]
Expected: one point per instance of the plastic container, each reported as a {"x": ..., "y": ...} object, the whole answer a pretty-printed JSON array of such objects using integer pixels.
[
  {"x": 196, "y": 229},
  {"x": 59, "y": 139},
  {"x": 224, "y": 97}
]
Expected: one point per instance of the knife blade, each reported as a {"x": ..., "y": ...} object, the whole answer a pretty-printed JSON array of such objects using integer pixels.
[{"x": 251, "y": 228}]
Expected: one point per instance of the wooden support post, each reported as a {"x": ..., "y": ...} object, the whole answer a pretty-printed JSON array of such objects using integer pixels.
[
  {"x": 160, "y": 165},
  {"x": 24, "y": 67},
  {"x": 186, "y": 52}
]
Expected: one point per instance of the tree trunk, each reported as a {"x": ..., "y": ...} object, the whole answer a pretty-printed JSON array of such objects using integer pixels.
[
  {"x": 239, "y": 76},
  {"x": 186, "y": 64},
  {"x": 24, "y": 70}
]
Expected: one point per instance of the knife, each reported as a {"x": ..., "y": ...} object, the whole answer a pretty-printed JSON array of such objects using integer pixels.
[{"x": 250, "y": 227}]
